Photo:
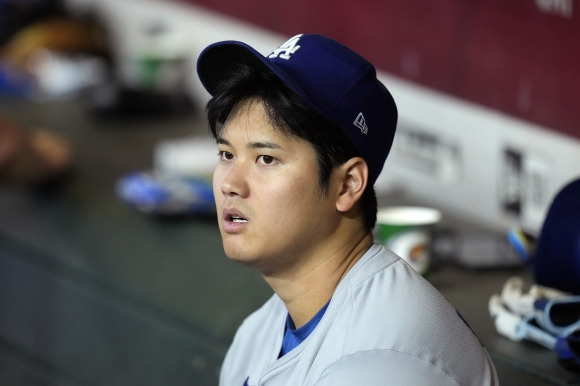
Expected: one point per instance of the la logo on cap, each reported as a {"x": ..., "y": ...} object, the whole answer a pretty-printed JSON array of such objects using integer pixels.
[{"x": 286, "y": 49}]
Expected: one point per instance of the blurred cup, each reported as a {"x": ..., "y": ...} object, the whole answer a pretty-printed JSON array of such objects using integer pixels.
[{"x": 408, "y": 231}]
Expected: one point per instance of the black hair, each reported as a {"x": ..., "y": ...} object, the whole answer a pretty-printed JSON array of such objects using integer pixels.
[{"x": 292, "y": 115}]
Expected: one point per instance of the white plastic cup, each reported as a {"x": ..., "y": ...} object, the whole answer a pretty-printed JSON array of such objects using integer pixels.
[{"x": 408, "y": 231}]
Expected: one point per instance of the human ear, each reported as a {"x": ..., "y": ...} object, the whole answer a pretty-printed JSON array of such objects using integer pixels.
[{"x": 354, "y": 177}]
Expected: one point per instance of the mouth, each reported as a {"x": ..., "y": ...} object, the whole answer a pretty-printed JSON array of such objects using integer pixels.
[
  {"x": 235, "y": 216},
  {"x": 237, "y": 219},
  {"x": 234, "y": 221}
]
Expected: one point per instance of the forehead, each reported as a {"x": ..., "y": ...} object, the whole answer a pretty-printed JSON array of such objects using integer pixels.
[{"x": 250, "y": 115}]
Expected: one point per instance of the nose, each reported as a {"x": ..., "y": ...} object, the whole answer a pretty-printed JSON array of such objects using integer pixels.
[{"x": 231, "y": 179}]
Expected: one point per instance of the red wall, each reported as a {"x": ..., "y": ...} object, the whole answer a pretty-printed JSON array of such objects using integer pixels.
[{"x": 521, "y": 57}]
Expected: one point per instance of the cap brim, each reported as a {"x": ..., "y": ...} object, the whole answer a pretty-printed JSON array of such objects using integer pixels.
[{"x": 219, "y": 61}]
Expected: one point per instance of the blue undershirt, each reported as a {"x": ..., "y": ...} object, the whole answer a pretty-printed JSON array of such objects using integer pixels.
[{"x": 294, "y": 336}]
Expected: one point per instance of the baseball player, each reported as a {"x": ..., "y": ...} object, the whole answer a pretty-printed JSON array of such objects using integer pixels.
[{"x": 302, "y": 135}]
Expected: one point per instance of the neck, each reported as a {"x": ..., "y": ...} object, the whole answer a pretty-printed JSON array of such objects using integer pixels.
[{"x": 306, "y": 290}]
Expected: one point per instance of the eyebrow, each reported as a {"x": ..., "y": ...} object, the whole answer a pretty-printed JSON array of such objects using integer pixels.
[{"x": 251, "y": 145}]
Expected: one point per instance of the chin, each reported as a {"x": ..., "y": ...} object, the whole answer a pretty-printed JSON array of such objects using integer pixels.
[
  {"x": 235, "y": 254},
  {"x": 250, "y": 263},
  {"x": 243, "y": 258}
]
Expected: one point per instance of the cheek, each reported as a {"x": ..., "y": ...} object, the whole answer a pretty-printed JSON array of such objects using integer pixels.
[
  {"x": 216, "y": 184},
  {"x": 217, "y": 191},
  {"x": 217, "y": 181},
  {"x": 295, "y": 200}
]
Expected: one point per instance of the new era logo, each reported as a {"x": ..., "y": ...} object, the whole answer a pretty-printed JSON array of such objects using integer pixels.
[{"x": 361, "y": 123}]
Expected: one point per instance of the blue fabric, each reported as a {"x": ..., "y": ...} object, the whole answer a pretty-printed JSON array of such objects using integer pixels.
[
  {"x": 294, "y": 336},
  {"x": 557, "y": 255}
]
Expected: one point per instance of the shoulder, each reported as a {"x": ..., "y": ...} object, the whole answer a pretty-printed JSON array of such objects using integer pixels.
[
  {"x": 388, "y": 367},
  {"x": 381, "y": 275},
  {"x": 406, "y": 322},
  {"x": 383, "y": 280},
  {"x": 390, "y": 299},
  {"x": 383, "y": 367}
]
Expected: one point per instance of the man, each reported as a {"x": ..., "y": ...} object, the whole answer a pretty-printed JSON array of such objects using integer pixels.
[{"x": 302, "y": 135}]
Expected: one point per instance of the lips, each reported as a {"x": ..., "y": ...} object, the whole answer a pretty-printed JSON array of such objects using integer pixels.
[
  {"x": 234, "y": 215},
  {"x": 234, "y": 220}
]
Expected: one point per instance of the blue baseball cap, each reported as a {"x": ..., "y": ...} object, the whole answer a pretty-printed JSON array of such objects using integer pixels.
[
  {"x": 557, "y": 254},
  {"x": 333, "y": 79}
]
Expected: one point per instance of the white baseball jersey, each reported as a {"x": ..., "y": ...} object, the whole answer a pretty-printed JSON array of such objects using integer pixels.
[{"x": 385, "y": 325}]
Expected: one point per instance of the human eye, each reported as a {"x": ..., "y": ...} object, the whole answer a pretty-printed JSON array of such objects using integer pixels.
[
  {"x": 267, "y": 160},
  {"x": 225, "y": 155}
]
